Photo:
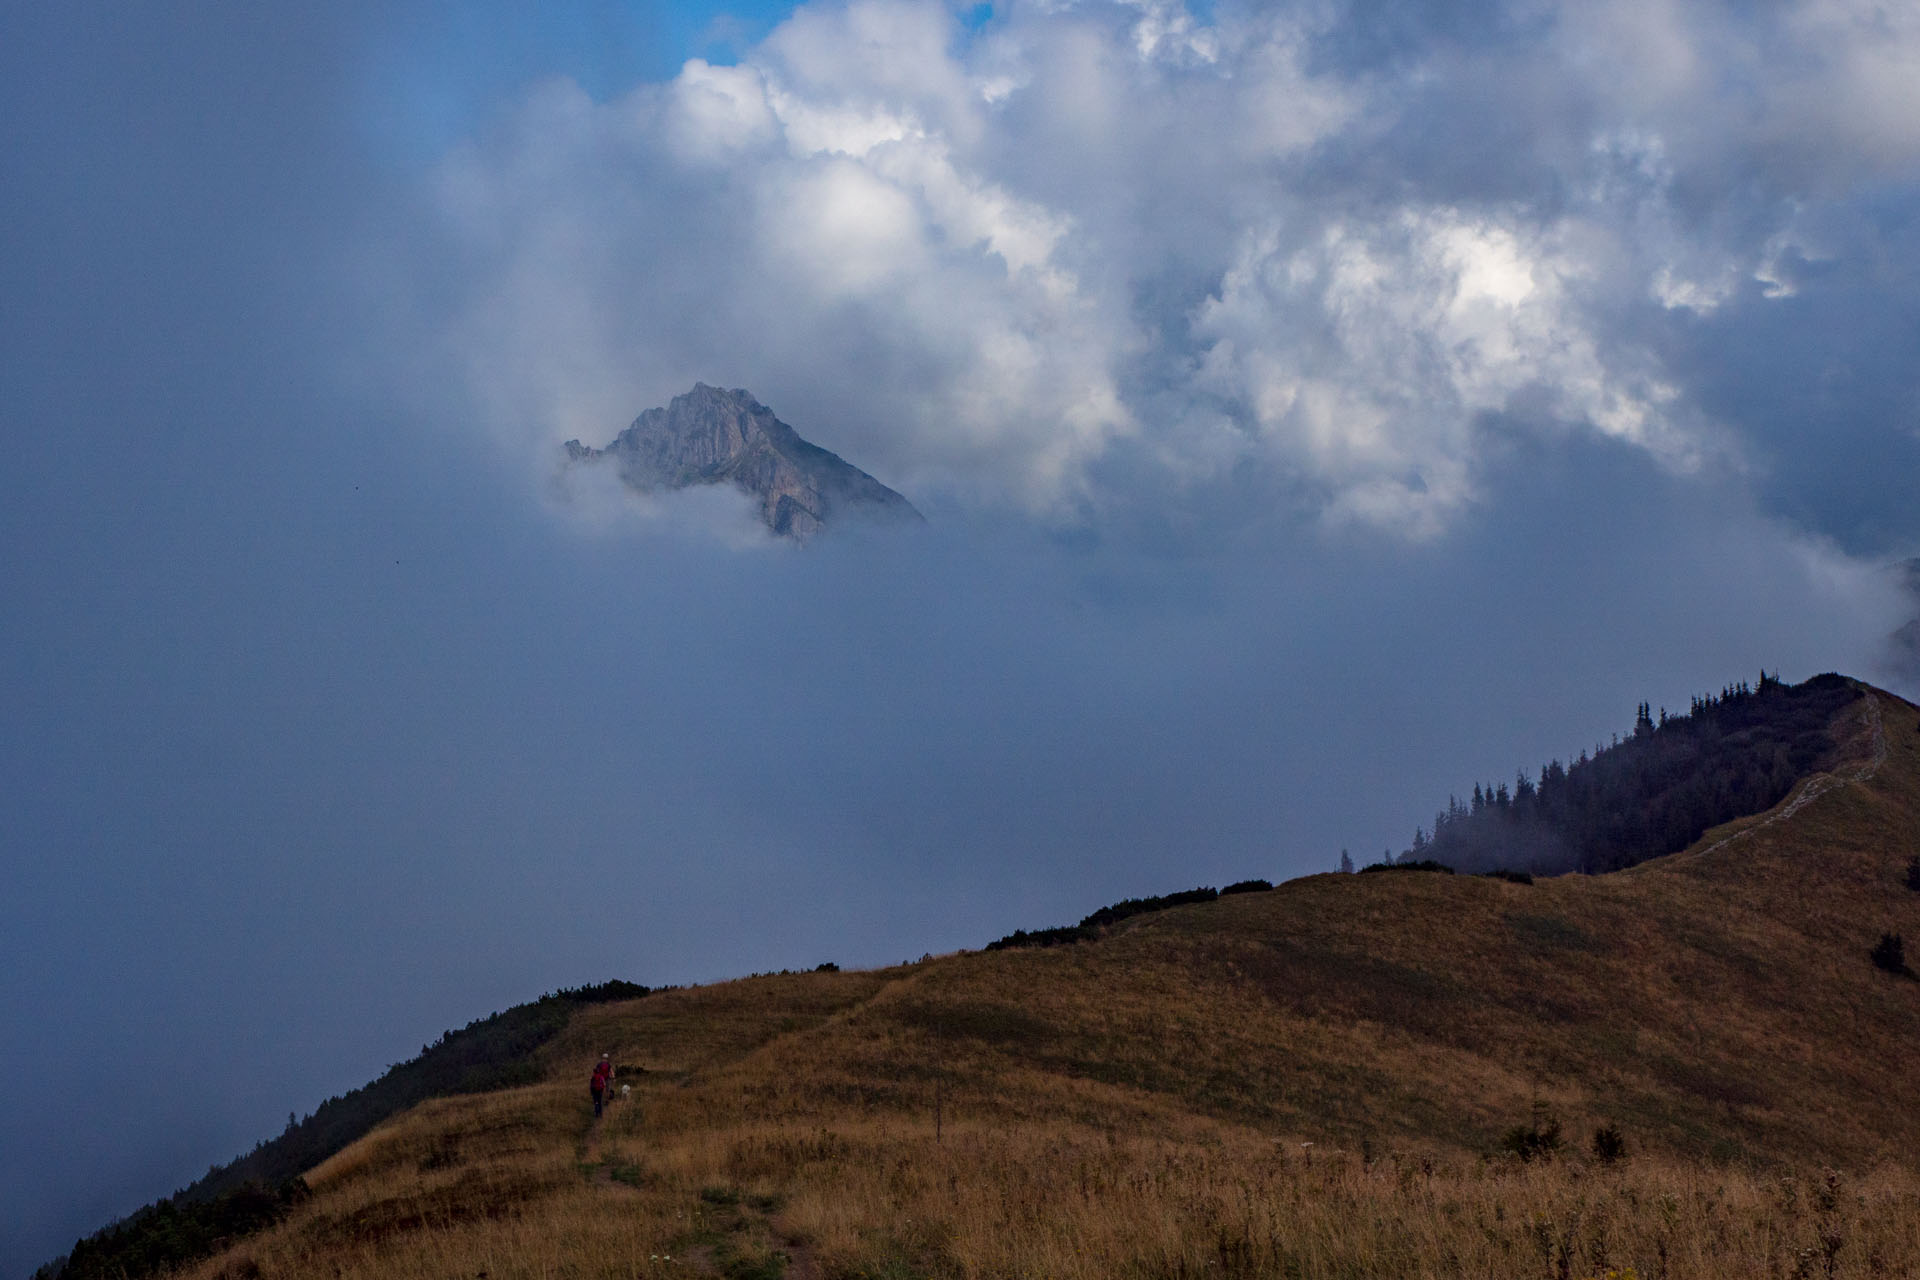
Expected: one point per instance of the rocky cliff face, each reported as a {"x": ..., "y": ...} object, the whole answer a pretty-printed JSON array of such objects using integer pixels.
[{"x": 711, "y": 436}]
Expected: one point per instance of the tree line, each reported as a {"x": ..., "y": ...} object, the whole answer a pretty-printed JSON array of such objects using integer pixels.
[
  {"x": 1651, "y": 793},
  {"x": 1096, "y": 922}
]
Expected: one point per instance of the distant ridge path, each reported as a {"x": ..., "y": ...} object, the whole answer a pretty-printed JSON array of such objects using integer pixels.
[{"x": 1821, "y": 783}]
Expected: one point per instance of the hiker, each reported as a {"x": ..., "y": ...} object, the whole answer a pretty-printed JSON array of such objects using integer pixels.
[{"x": 602, "y": 1081}]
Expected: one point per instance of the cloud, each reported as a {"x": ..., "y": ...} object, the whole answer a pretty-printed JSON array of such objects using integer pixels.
[
  {"x": 1370, "y": 355},
  {"x": 598, "y": 501},
  {"x": 825, "y": 254},
  {"x": 979, "y": 261}
]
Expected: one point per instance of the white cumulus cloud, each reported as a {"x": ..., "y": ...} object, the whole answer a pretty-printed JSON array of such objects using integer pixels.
[{"x": 1262, "y": 236}]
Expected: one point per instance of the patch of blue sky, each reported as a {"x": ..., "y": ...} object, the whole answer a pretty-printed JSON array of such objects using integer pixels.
[
  {"x": 717, "y": 32},
  {"x": 435, "y": 76}
]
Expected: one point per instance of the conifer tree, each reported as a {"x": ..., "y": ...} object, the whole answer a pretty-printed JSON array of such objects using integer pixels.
[{"x": 1654, "y": 791}]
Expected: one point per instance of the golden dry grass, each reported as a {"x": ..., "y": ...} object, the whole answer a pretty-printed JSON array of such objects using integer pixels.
[{"x": 1307, "y": 1082}]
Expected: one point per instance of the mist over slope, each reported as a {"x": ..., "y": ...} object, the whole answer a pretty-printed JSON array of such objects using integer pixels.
[{"x": 1652, "y": 793}]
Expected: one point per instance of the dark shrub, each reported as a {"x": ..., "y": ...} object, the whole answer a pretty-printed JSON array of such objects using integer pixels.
[
  {"x": 1091, "y": 925},
  {"x": 1913, "y": 875},
  {"x": 1421, "y": 864},
  {"x": 1608, "y": 1145},
  {"x": 598, "y": 993},
  {"x": 1127, "y": 908},
  {"x": 827, "y": 966},
  {"x": 1890, "y": 953},
  {"x": 1537, "y": 1140},
  {"x": 1055, "y": 937},
  {"x": 1512, "y": 877},
  {"x": 1247, "y": 886}
]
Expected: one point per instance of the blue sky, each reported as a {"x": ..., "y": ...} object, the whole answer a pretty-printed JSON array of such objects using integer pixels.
[
  {"x": 1317, "y": 409},
  {"x": 433, "y": 74}
]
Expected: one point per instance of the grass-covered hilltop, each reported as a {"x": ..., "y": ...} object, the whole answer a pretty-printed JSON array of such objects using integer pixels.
[{"x": 1700, "y": 1065}]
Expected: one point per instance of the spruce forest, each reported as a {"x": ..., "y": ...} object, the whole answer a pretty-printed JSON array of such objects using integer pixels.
[{"x": 1647, "y": 795}]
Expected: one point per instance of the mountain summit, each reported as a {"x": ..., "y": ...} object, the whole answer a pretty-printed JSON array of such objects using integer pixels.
[{"x": 712, "y": 436}]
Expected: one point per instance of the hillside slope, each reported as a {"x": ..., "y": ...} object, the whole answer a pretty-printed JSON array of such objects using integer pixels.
[{"x": 1308, "y": 1080}]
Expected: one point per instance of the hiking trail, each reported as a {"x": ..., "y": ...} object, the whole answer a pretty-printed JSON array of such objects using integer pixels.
[
  {"x": 734, "y": 1217},
  {"x": 1821, "y": 783}
]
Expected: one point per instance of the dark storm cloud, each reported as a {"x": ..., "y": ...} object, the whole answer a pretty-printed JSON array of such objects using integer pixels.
[
  {"x": 1318, "y": 412},
  {"x": 1816, "y": 379}
]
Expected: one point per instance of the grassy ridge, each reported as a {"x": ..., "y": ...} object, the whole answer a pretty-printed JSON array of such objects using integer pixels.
[
  {"x": 257, "y": 1189},
  {"x": 494, "y": 1052},
  {"x": 510, "y": 1185},
  {"x": 1323, "y": 1079}
]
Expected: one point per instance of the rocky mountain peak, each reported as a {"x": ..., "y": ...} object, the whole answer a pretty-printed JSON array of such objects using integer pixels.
[{"x": 715, "y": 436}]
